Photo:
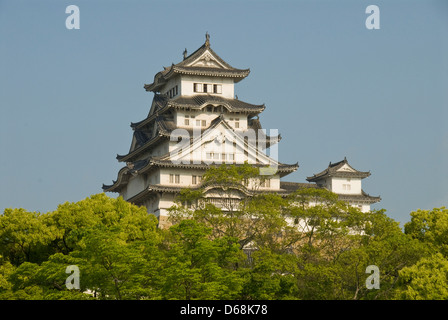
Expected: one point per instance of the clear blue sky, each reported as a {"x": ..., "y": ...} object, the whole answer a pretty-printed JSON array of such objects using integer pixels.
[{"x": 331, "y": 87}]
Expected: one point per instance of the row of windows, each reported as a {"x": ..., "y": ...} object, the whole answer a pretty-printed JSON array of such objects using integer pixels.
[
  {"x": 220, "y": 156},
  {"x": 237, "y": 122},
  {"x": 203, "y": 123},
  {"x": 266, "y": 183},
  {"x": 195, "y": 179},
  {"x": 197, "y": 87},
  {"x": 175, "y": 178},
  {"x": 207, "y": 88},
  {"x": 173, "y": 92},
  {"x": 199, "y": 123}
]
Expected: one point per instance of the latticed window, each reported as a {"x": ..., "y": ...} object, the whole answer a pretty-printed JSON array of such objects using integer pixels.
[
  {"x": 266, "y": 183},
  {"x": 197, "y": 87}
]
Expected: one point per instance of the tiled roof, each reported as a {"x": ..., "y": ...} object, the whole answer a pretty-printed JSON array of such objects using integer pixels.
[
  {"x": 363, "y": 197},
  {"x": 293, "y": 186},
  {"x": 166, "y": 125},
  {"x": 201, "y": 100},
  {"x": 162, "y": 103},
  {"x": 203, "y": 165},
  {"x": 332, "y": 171},
  {"x": 255, "y": 125},
  {"x": 184, "y": 67},
  {"x": 290, "y": 187},
  {"x": 142, "y": 166}
]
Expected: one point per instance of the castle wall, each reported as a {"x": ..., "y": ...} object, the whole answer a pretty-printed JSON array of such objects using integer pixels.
[
  {"x": 227, "y": 85},
  {"x": 346, "y": 186}
]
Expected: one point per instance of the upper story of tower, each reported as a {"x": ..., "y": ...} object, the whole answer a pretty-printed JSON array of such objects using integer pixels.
[
  {"x": 340, "y": 178},
  {"x": 201, "y": 73},
  {"x": 194, "y": 95}
]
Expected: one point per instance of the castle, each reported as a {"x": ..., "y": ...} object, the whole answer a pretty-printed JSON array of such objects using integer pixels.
[{"x": 196, "y": 121}]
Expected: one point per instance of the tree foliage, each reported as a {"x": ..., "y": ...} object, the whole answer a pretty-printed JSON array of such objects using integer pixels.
[{"x": 308, "y": 245}]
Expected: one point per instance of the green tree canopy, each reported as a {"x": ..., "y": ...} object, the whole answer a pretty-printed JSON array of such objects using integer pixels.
[
  {"x": 252, "y": 245},
  {"x": 430, "y": 227}
]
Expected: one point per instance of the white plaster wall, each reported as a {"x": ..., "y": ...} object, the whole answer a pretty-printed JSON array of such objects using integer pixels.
[
  {"x": 198, "y": 115},
  {"x": 123, "y": 194},
  {"x": 185, "y": 177},
  {"x": 208, "y": 117},
  {"x": 187, "y": 82},
  {"x": 337, "y": 185},
  {"x": 362, "y": 206},
  {"x": 152, "y": 205},
  {"x": 171, "y": 84},
  {"x": 134, "y": 186},
  {"x": 242, "y": 121},
  {"x": 214, "y": 143},
  {"x": 365, "y": 208},
  {"x": 153, "y": 177},
  {"x": 166, "y": 201}
]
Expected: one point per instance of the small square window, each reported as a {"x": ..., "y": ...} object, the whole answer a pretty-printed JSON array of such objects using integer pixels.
[{"x": 197, "y": 87}]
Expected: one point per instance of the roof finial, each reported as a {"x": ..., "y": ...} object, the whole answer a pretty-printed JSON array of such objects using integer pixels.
[
  {"x": 207, "y": 39},
  {"x": 185, "y": 53}
]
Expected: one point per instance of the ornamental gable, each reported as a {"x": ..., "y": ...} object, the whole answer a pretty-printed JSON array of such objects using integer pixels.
[
  {"x": 219, "y": 144},
  {"x": 346, "y": 168},
  {"x": 207, "y": 60}
]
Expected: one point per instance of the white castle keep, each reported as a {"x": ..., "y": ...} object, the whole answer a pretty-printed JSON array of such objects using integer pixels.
[{"x": 195, "y": 121}]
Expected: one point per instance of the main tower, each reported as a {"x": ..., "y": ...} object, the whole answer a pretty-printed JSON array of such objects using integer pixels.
[{"x": 195, "y": 121}]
